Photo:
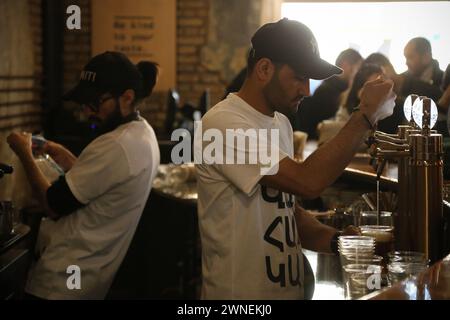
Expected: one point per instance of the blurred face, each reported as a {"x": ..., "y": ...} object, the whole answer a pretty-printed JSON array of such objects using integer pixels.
[
  {"x": 286, "y": 90},
  {"x": 104, "y": 113},
  {"x": 416, "y": 63}
]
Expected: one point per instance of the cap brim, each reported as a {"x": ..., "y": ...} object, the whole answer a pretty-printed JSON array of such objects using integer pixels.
[
  {"x": 319, "y": 70},
  {"x": 81, "y": 94}
]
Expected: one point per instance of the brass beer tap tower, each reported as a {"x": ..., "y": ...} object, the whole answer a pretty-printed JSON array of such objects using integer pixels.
[{"x": 419, "y": 224}]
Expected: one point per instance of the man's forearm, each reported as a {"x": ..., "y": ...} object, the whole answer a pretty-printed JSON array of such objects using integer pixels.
[
  {"x": 62, "y": 156},
  {"x": 329, "y": 161},
  {"x": 38, "y": 182},
  {"x": 314, "y": 235}
]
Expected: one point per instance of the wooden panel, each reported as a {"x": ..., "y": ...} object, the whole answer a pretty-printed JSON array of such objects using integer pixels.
[
  {"x": 141, "y": 29},
  {"x": 19, "y": 86}
]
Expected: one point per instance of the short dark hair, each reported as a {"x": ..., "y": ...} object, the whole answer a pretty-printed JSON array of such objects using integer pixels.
[
  {"x": 149, "y": 73},
  {"x": 364, "y": 73},
  {"x": 421, "y": 45},
  {"x": 252, "y": 59},
  {"x": 379, "y": 59},
  {"x": 349, "y": 55}
]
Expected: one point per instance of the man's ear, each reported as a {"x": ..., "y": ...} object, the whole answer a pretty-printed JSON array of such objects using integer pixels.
[
  {"x": 126, "y": 101},
  {"x": 264, "y": 69}
]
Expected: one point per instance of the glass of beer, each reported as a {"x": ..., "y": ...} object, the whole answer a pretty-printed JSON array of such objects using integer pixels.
[{"x": 384, "y": 238}]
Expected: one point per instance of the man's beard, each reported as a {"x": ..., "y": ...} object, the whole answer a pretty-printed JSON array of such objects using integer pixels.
[
  {"x": 114, "y": 120},
  {"x": 274, "y": 94}
]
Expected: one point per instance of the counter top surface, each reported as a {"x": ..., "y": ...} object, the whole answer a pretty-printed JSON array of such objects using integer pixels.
[{"x": 359, "y": 168}]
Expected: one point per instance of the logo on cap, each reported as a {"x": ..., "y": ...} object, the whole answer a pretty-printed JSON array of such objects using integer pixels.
[{"x": 88, "y": 76}]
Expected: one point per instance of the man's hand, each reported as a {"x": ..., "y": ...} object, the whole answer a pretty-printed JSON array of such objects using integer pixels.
[
  {"x": 63, "y": 157},
  {"x": 377, "y": 99},
  {"x": 351, "y": 231},
  {"x": 20, "y": 143}
]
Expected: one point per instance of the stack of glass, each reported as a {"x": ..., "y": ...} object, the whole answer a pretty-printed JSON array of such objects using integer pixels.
[
  {"x": 361, "y": 268},
  {"x": 356, "y": 246}
]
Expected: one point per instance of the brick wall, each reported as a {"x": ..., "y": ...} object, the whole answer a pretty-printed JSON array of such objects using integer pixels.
[
  {"x": 192, "y": 76},
  {"x": 21, "y": 74},
  {"x": 36, "y": 27}
]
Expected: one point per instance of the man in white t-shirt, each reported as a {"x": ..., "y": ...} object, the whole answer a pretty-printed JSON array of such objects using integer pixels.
[
  {"x": 93, "y": 210},
  {"x": 252, "y": 231}
]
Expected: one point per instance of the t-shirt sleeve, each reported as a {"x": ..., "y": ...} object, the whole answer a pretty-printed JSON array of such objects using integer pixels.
[{"x": 101, "y": 166}]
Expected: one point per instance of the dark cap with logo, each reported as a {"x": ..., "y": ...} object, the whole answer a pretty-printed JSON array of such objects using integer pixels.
[
  {"x": 291, "y": 42},
  {"x": 109, "y": 72}
]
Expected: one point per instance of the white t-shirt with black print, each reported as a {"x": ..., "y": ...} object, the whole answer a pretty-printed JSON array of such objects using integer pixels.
[
  {"x": 112, "y": 177},
  {"x": 250, "y": 245}
]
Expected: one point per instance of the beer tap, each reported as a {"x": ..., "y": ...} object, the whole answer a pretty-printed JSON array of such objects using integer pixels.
[
  {"x": 418, "y": 150},
  {"x": 426, "y": 187}
]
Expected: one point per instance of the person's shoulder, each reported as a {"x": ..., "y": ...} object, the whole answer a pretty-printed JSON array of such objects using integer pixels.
[
  {"x": 137, "y": 136},
  {"x": 104, "y": 146},
  {"x": 226, "y": 111},
  {"x": 284, "y": 120}
]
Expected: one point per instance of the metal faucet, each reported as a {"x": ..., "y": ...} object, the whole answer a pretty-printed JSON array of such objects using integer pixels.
[{"x": 419, "y": 152}]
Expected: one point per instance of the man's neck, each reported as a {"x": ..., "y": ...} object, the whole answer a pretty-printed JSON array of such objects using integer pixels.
[{"x": 255, "y": 98}]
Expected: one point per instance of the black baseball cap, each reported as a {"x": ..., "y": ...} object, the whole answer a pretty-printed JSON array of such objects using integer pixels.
[
  {"x": 109, "y": 72},
  {"x": 293, "y": 43}
]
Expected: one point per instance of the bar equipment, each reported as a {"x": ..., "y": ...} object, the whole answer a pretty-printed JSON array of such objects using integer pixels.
[{"x": 419, "y": 151}]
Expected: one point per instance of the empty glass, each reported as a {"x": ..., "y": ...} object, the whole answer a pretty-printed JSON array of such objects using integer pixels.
[
  {"x": 406, "y": 256},
  {"x": 399, "y": 271}
]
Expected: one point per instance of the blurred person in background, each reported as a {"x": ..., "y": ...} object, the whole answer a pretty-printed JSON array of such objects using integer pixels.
[
  {"x": 420, "y": 62},
  {"x": 367, "y": 72},
  {"x": 404, "y": 85},
  {"x": 327, "y": 98}
]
